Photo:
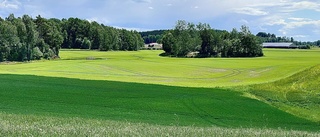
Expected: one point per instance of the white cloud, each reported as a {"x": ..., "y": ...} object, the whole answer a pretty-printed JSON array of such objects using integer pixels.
[
  {"x": 299, "y": 19},
  {"x": 99, "y": 20},
  {"x": 9, "y": 6},
  {"x": 243, "y": 21},
  {"x": 262, "y": 28},
  {"x": 305, "y": 5},
  {"x": 251, "y": 11},
  {"x": 273, "y": 20},
  {"x": 285, "y": 17},
  {"x": 151, "y": 8},
  {"x": 5, "y": 4},
  {"x": 295, "y": 24},
  {"x": 300, "y": 36}
]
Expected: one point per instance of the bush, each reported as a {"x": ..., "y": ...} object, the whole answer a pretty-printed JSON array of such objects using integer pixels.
[
  {"x": 86, "y": 44},
  {"x": 305, "y": 47},
  {"x": 36, "y": 53}
]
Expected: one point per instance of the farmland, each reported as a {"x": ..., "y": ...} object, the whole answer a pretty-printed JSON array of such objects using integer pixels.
[
  {"x": 87, "y": 90},
  {"x": 148, "y": 67}
]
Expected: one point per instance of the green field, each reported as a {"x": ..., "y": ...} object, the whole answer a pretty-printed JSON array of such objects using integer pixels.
[
  {"x": 298, "y": 94},
  {"x": 148, "y": 67},
  {"x": 271, "y": 95}
]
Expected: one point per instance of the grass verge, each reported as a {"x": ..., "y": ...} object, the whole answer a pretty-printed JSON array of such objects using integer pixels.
[{"x": 34, "y": 125}]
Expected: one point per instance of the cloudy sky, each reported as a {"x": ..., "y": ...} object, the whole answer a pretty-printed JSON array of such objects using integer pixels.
[{"x": 293, "y": 18}]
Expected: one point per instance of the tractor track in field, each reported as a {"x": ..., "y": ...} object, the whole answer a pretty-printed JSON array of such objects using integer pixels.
[
  {"x": 111, "y": 70},
  {"x": 90, "y": 70},
  {"x": 127, "y": 72},
  {"x": 234, "y": 72},
  {"x": 196, "y": 110},
  {"x": 191, "y": 105},
  {"x": 95, "y": 71}
]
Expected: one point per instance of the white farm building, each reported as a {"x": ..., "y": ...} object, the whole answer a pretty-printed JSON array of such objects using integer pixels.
[{"x": 279, "y": 45}]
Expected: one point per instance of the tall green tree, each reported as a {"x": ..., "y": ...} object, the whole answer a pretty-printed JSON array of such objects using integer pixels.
[
  {"x": 251, "y": 46},
  {"x": 8, "y": 40},
  {"x": 96, "y": 35},
  {"x": 32, "y": 35},
  {"x": 168, "y": 41},
  {"x": 206, "y": 44},
  {"x": 187, "y": 38}
]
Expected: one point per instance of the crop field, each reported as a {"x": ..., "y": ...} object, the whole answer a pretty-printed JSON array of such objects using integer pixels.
[
  {"x": 148, "y": 67},
  {"x": 298, "y": 94},
  {"x": 91, "y": 93}
]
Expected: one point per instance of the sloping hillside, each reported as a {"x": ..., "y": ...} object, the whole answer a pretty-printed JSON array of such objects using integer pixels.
[{"x": 298, "y": 94}]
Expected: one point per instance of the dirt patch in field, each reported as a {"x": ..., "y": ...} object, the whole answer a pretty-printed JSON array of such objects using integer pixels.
[
  {"x": 236, "y": 81},
  {"x": 254, "y": 73},
  {"x": 94, "y": 58},
  {"x": 218, "y": 70}
]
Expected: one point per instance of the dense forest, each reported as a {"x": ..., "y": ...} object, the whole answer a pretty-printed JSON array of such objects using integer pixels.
[
  {"x": 154, "y": 36},
  {"x": 25, "y": 38},
  {"x": 188, "y": 39},
  {"x": 267, "y": 37}
]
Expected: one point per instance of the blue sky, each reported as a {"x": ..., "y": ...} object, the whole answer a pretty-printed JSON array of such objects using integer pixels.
[{"x": 292, "y": 18}]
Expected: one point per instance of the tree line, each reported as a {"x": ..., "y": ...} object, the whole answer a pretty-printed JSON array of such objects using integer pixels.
[
  {"x": 154, "y": 36},
  {"x": 24, "y": 38},
  {"x": 188, "y": 39},
  {"x": 267, "y": 37}
]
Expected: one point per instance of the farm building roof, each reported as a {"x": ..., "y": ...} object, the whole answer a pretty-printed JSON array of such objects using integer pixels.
[
  {"x": 155, "y": 46},
  {"x": 279, "y": 45}
]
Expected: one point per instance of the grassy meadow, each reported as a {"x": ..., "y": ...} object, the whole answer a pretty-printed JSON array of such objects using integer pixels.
[
  {"x": 91, "y": 93},
  {"x": 298, "y": 94}
]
